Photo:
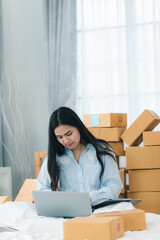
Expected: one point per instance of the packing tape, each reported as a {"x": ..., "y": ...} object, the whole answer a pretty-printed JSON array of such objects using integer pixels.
[{"x": 94, "y": 120}]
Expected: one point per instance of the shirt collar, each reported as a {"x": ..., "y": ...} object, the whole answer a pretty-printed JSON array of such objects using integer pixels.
[{"x": 89, "y": 146}]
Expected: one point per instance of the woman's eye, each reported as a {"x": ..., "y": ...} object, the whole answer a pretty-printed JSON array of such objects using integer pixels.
[
  {"x": 59, "y": 137},
  {"x": 69, "y": 134}
]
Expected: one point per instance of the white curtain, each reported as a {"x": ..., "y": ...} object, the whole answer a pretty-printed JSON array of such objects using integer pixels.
[
  {"x": 118, "y": 61},
  {"x": 1, "y": 76},
  {"x": 60, "y": 24},
  {"x": 24, "y": 111},
  {"x": 38, "y": 75}
]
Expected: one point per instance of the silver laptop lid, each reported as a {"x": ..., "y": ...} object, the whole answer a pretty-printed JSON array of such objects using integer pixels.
[{"x": 62, "y": 204}]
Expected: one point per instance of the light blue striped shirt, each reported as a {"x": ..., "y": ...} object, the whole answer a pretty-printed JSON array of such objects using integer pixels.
[{"x": 84, "y": 176}]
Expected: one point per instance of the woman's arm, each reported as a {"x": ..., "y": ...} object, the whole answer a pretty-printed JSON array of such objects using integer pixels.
[
  {"x": 43, "y": 179},
  {"x": 111, "y": 184}
]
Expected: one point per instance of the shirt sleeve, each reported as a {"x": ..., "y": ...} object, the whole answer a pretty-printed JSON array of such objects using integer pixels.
[
  {"x": 111, "y": 184},
  {"x": 43, "y": 179}
]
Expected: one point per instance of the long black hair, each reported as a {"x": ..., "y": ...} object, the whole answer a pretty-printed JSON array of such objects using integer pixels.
[{"x": 66, "y": 116}]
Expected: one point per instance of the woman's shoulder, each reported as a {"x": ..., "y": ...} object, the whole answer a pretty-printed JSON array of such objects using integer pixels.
[
  {"x": 105, "y": 150},
  {"x": 91, "y": 148},
  {"x": 64, "y": 158},
  {"x": 100, "y": 146}
]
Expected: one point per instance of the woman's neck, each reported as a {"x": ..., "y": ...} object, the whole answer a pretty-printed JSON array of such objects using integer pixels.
[{"x": 78, "y": 150}]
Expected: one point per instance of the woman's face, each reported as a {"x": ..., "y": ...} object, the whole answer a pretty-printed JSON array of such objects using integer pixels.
[{"x": 68, "y": 136}]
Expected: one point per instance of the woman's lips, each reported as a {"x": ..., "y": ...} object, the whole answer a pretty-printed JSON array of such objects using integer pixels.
[{"x": 69, "y": 145}]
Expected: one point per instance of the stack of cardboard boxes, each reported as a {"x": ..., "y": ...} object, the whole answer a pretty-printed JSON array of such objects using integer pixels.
[
  {"x": 109, "y": 127},
  {"x": 110, "y": 225},
  {"x": 143, "y": 162}
]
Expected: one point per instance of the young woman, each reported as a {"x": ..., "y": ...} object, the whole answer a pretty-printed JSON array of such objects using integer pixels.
[{"x": 77, "y": 161}]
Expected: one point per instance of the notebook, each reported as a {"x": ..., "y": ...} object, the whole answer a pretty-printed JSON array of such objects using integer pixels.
[
  {"x": 116, "y": 200},
  {"x": 62, "y": 204}
]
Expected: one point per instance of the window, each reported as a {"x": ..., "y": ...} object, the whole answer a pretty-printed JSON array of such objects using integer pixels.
[{"x": 118, "y": 56}]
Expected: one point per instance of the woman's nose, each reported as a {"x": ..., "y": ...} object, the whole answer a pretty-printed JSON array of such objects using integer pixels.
[{"x": 65, "y": 139}]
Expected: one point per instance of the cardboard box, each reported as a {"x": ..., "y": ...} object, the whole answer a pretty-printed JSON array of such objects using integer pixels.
[
  {"x": 95, "y": 131},
  {"x": 144, "y": 180},
  {"x": 150, "y": 201},
  {"x": 93, "y": 228},
  {"x": 105, "y": 120},
  {"x": 39, "y": 156},
  {"x": 117, "y": 147},
  {"x": 143, "y": 157},
  {"x": 4, "y": 199},
  {"x": 147, "y": 121},
  {"x": 151, "y": 138},
  {"x": 25, "y": 193},
  {"x": 111, "y": 134},
  {"x": 122, "y": 174},
  {"x": 133, "y": 219}
]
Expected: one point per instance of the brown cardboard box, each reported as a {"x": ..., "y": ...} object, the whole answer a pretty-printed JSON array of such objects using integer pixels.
[
  {"x": 122, "y": 174},
  {"x": 118, "y": 148},
  {"x": 87, "y": 120},
  {"x": 133, "y": 219},
  {"x": 93, "y": 228},
  {"x": 144, "y": 180},
  {"x": 151, "y": 138},
  {"x": 142, "y": 157},
  {"x": 111, "y": 134},
  {"x": 95, "y": 131},
  {"x": 150, "y": 201},
  {"x": 147, "y": 121},
  {"x": 4, "y": 199},
  {"x": 25, "y": 193},
  {"x": 105, "y": 120},
  {"x": 38, "y": 158}
]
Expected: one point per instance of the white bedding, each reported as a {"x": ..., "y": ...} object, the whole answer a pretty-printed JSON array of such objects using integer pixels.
[{"x": 22, "y": 216}]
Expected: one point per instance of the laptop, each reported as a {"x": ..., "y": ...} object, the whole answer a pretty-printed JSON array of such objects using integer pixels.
[{"x": 62, "y": 204}]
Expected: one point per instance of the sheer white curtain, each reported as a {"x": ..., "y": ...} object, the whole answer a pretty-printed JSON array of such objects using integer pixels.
[
  {"x": 1, "y": 76},
  {"x": 118, "y": 60},
  {"x": 24, "y": 110},
  {"x": 60, "y": 26}
]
